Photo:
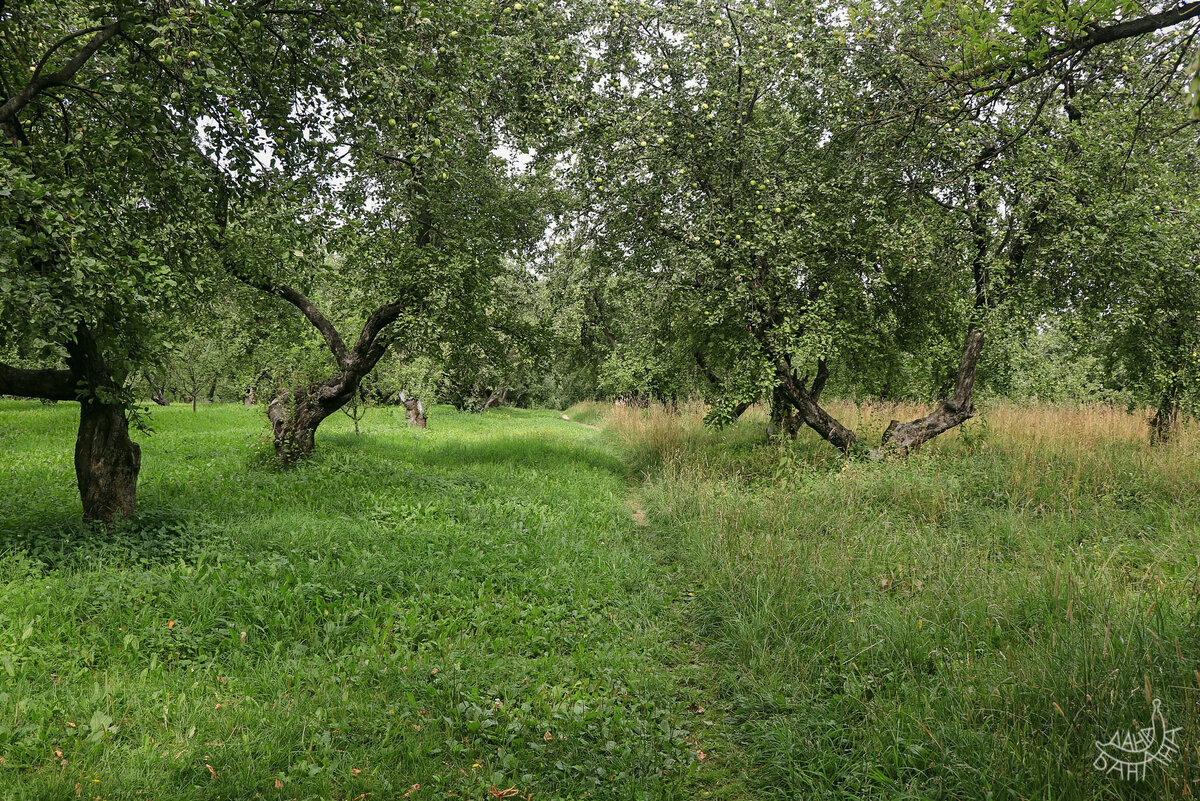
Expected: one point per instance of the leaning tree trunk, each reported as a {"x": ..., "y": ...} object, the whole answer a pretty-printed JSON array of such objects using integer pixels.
[
  {"x": 295, "y": 415},
  {"x": 806, "y": 401},
  {"x": 106, "y": 462},
  {"x": 900, "y": 438}
]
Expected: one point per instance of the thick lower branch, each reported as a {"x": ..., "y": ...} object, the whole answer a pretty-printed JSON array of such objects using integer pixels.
[
  {"x": 58, "y": 385},
  {"x": 309, "y": 309},
  {"x": 43, "y": 81}
]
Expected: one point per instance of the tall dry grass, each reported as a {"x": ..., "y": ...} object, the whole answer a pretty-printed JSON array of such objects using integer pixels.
[{"x": 964, "y": 621}]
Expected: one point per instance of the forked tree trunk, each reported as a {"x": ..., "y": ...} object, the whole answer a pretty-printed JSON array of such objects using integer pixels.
[
  {"x": 295, "y": 415},
  {"x": 806, "y": 402},
  {"x": 495, "y": 398},
  {"x": 107, "y": 462},
  {"x": 900, "y": 438}
]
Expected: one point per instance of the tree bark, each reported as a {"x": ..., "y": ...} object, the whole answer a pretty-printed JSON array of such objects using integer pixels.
[
  {"x": 107, "y": 462},
  {"x": 1166, "y": 417},
  {"x": 296, "y": 414},
  {"x": 805, "y": 401},
  {"x": 414, "y": 411},
  {"x": 900, "y": 438}
]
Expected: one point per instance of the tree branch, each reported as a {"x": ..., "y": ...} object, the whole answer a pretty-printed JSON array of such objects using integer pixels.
[
  {"x": 293, "y": 296},
  {"x": 56, "y": 385},
  {"x": 1035, "y": 66},
  {"x": 40, "y": 82}
]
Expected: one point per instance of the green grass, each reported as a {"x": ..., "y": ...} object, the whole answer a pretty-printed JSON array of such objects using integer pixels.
[
  {"x": 462, "y": 608},
  {"x": 962, "y": 624},
  {"x": 423, "y": 607}
]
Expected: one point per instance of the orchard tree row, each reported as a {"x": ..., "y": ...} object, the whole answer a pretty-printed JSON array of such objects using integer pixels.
[{"x": 314, "y": 203}]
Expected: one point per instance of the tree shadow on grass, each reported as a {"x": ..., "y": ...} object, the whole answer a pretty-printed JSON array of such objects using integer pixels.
[
  {"x": 502, "y": 448},
  {"x": 151, "y": 537}
]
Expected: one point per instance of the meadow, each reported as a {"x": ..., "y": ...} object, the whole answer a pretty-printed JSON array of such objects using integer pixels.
[
  {"x": 468, "y": 608},
  {"x": 474, "y": 611}
]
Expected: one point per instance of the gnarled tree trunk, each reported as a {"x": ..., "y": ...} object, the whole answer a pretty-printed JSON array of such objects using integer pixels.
[
  {"x": 107, "y": 462},
  {"x": 296, "y": 414},
  {"x": 955, "y": 410}
]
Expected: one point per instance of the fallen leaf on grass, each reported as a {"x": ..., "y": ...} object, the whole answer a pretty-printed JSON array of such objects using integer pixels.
[
  {"x": 495, "y": 792},
  {"x": 210, "y": 770},
  {"x": 278, "y": 784},
  {"x": 412, "y": 790}
]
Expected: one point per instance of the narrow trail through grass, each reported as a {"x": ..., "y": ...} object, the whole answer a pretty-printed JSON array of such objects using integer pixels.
[
  {"x": 964, "y": 623},
  {"x": 459, "y": 610}
]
